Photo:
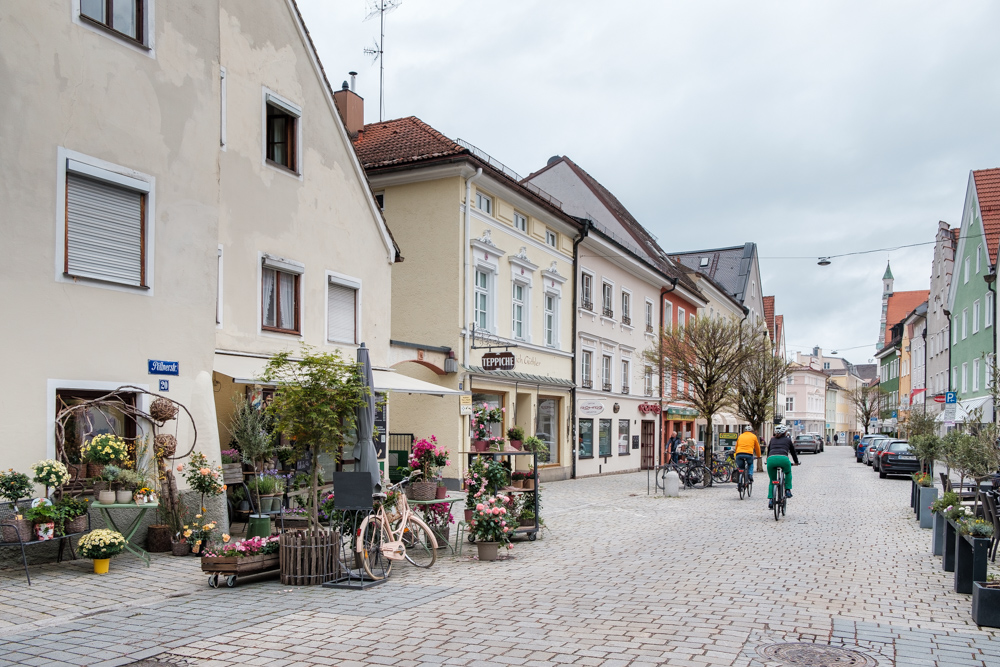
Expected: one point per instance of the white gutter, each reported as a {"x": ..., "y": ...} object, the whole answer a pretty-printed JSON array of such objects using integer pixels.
[{"x": 468, "y": 261}]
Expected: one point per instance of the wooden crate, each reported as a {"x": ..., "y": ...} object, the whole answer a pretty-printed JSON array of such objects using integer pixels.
[{"x": 240, "y": 566}]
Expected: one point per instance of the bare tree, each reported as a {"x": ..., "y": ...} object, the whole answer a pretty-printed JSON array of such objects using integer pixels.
[
  {"x": 756, "y": 386},
  {"x": 709, "y": 354},
  {"x": 868, "y": 402}
]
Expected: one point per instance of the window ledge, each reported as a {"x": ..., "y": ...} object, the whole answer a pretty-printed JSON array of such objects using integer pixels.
[
  {"x": 282, "y": 168},
  {"x": 88, "y": 279},
  {"x": 111, "y": 32},
  {"x": 627, "y": 327},
  {"x": 607, "y": 319},
  {"x": 290, "y": 332},
  {"x": 584, "y": 458}
]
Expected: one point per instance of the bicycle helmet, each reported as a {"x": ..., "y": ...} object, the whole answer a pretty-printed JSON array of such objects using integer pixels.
[
  {"x": 748, "y": 429},
  {"x": 780, "y": 429}
]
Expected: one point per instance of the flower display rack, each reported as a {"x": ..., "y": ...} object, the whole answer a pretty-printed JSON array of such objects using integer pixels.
[{"x": 530, "y": 531}]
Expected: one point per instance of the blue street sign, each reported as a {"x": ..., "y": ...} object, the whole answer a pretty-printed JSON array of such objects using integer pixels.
[
  {"x": 894, "y": 415},
  {"x": 950, "y": 397},
  {"x": 157, "y": 367},
  {"x": 164, "y": 385}
]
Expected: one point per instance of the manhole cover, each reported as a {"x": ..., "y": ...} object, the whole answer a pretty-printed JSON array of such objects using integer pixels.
[{"x": 815, "y": 655}]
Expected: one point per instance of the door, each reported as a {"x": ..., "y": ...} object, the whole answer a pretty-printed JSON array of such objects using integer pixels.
[{"x": 648, "y": 452}]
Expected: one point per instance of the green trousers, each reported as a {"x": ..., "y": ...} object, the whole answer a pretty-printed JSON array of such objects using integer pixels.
[{"x": 773, "y": 463}]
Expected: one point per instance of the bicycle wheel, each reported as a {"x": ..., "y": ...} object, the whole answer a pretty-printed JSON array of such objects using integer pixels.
[
  {"x": 698, "y": 476},
  {"x": 779, "y": 493},
  {"x": 371, "y": 535},
  {"x": 749, "y": 486},
  {"x": 741, "y": 484},
  {"x": 421, "y": 544},
  {"x": 661, "y": 476}
]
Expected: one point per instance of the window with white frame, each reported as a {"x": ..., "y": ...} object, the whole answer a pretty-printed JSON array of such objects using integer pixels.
[
  {"x": 975, "y": 375},
  {"x": 979, "y": 257},
  {"x": 649, "y": 316},
  {"x": 626, "y": 308},
  {"x": 954, "y": 378},
  {"x": 280, "y": 295},
  {"x": 587, "y": 291},
  {"x": 342, "y": 308},
  {"x": 668, "y": 314},
  {"x": 484, "y": 203},
  {"x": 551, "y": 323},
  {"x": 988, "y": 300},
  {"x": 989, "y": 371},
  {"x": 965, "y": 270},
  {"x": 680, "y": 317},
  {"x": 965, "y": 323},
  {"x": 625, "y": 376},
  {"x": 481, "y": 299},
  {"x": 965, "y": 377},
  {"x": 281, "y": 132},
  {"x": 789, "y": 404},
  {"x": 975, "y": 317},
  {"x": 107, "y": 224},
  {"x": 607, "y": 301},
  {"x": 954, "y": 331},
  {"x": 520, "y": 222},
  {"x": 606, "y": 373},
  {"x": 586, "y": 362},
  {"x": 518, "y": 307},
  {"x": 551, "y": 238},
  {"x": 647, "y": 380}
]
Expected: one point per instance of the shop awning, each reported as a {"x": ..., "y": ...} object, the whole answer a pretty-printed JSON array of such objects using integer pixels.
[
  {"x": 965, "y": 408},
  {"x": 245, "y": 370},
  {"x": 522, "y": 377}
]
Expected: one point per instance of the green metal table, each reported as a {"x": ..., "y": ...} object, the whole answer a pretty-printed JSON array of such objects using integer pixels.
[
  {"x": 450, "y": 499},
  {"x": 132, "y": 527}
]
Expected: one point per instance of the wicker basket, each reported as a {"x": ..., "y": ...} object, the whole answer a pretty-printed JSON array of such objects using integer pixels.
[
  {"x": 162, "y": 409},
  {"x": 23, "y": 527},
  {"x": 94, "y": 469},
  {"x": 166, "y": 445},
  {"x": 424, "y": 490},
  {"x": 77, "y": 525}
]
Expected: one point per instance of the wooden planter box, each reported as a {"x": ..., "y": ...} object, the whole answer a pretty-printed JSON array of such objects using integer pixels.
[{"x": 240, "y": 566}]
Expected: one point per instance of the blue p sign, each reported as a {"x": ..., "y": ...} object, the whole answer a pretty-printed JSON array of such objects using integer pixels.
[{"x": 950, "y": 397}]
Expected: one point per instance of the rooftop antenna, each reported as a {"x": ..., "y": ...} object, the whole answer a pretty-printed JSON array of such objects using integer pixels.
[{"x": 380, "y": 7}]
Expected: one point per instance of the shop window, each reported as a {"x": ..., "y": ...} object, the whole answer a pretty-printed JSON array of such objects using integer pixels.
[
  {"x": 604, "y": 437},
  {"x": 623, "y": 436},
  {"x": 547, "y": 428},
  {"x": 85, "y": 423},
  {"x": 586, "y": 438},
  {"x": 492, "y": 401}
]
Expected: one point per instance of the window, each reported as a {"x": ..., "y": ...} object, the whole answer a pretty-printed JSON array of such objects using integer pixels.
[
  {"x": 520, "y": 222},
  {"x": 517, "y": 327},
  {"x": 550, "y": 238},
  {"x": 626, "y": 309},
  {"x": 547, "y": 428},
  {"x": 789, "y": 404},
  {"x": 585, "y": 369},
  {"x": 606, "y": 373},
  {"x": 342, "y": 311},
  {"x": 607, "y": 291},
  {"x": 587, "y": 291},
  {"x": 988, "y": 300},
  {"x": 979, "y": 257},
  {"x": 93, "y": 421},
  {"x": 647, "y": 381},
  {"x": 703, "y": 262},
  {"x": 625, "y": 376},
  {"x": 492, "y": 401},
  {"x": 481, "y": 299},
  {"x": 380, "y": 200},
  {"x": 975, "y": 317},
  {"x": 975, "y": 375},
  {"x": 623, "y": 436},
  {"x": 122, "y": 16},
  {"x": 586, "y": 438},
  {"x": 484, "y": 203},
  {"x": 954, "y": 378},
  {"x": 649, "y": 317},
  {"x": 965, "y": 377},
  {"x": 281, "y": 141},
  {"x": 989, "y": 372},
  {"x": 954, "y": 332},
  {"x": 965, "y": 270},
  {"x": 279, "y": 300},
  {"x": 604, "y": 437},
  {"x": 106, "y": 226},
  {"x": 550, "y": 320},
  {"x": 826, "y": 365},
  {"x": 965, "y": 323},
  {"x": 753, "y": 289},
  {"x": 668, "y": 314},
  {"x": 680, "y": 317}
]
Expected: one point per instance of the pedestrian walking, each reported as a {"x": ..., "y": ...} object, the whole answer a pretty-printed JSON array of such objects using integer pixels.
[{"x": 835, "y": 438}]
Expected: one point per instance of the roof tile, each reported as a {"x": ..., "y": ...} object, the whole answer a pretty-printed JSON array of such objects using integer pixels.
[
  {"x": 902, "y": 304},
  {"x": 769, "y": 315},
  {"x": 400, "y": 141},
  {"x": 988, "y": 192}
]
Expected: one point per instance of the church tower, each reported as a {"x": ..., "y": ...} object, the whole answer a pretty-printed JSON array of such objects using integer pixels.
[{"x": 886, "y": 293}]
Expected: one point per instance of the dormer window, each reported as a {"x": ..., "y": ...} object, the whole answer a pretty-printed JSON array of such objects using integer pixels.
[{"x": 703, "y": 262}]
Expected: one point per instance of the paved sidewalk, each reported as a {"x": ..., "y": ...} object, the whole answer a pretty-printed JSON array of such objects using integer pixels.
[{"x": 620, "y": 578}]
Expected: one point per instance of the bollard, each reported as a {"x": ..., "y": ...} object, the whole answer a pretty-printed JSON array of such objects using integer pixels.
[{"x": 672, "y": 484}]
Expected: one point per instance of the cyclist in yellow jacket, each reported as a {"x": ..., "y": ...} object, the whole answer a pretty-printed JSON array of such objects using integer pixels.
[{"x": 747, "y": 448}]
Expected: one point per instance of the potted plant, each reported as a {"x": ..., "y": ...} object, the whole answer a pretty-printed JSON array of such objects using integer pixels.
[
  {"x": 101, "y": 450},
  {"x": 527, "y": 517},
  {"x": 109, "y": 479},
  {"x": 101, "y": 545},
  {"x": 489, "y": 527},
  {"x": 50, "y": 474},
  {"x": 72, "y": 516},
  {"x": 439, "y": 518},
  {"x": 529, "y": 479},
  {"x": 44, "y": 516},
  {"x": 483, "y": 417},
  {"x": 250, "y": 429},
  {"x": 250, "y": 556},
  {"x": 127, "y": 482},
  {"x": 516, "y": 436},
  {"x": 475, "y": 485},
  {"x": 264, "y": 486},
  {"x": 949, "y": 499},
  {"x": 533, "y": 444},
  {"x": 926, "y": 495},
  {"x": 424, "y": 456},
  {"x": 205, "y": 479},
  {"x": 199, "y": 534},
  {"x": 287, "y": 458},
  {"x": 13, "y": 487}
]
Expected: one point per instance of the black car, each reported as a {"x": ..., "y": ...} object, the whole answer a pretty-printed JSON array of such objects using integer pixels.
[{"x": 896, "y": 458}]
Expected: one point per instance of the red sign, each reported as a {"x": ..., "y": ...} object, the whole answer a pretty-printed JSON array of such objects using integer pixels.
[
  {"x": 646, "y": 408},
  {"x": 498, "y": 361},
  {"x": 939, "y": 398}
]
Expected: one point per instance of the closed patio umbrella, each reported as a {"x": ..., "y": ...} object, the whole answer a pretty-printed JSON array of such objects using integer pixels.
[{"x": 364, "y": 451}]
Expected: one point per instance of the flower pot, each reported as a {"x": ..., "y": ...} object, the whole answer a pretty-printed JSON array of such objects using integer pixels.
[
  {"x": 140, "y": 499},
  {"x": 517, "y": 483},
  {"x": 123, "y": 496},
  {"x": 158, "y": 539},
  {"x": 153, "y": 499},
  {"x": 441, "y": 536},
  {"x": 106, "y": 497},
  {"x": 409, "y": 493},
  {"x": 468, "y": 515},
  {"x": 180, "y": 548},
  {"x": 487, "y": 550},
  {"x": 244, "y": 506},
  {"x": 101, "y": 565},
  {"x": 926, "y": 496},
  {"x": 77, "y": 525},
  {"x": 232, "y": 473},
  {"x": 424, "y": 490},
  {"x": 258, "y": 526},
  {"x": 986, "y": 605},
  {"x": 19, "y": 528},
  {"x": 529, "y": 484},
  {"x": 480, "y": 445},
  {"x": 45, "y": 531},
  {"x": 523, "y": 523},
  {"x": 516, "y": 444},
  {"x": 95, "y": 469},
  {"x": 442, "y": 493}
]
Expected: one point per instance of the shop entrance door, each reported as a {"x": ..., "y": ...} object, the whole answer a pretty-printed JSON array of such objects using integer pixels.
[{"x": 647, "y": 455}]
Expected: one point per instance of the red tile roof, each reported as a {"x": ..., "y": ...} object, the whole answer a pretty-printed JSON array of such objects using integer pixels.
[
  {"x": 769, "y": 315},
  {"x": 988, "y": 192},
  {"x": 779, "y": 325},
  {"x": 400, "y": 141},
  {"x": 902, "y": 304}
]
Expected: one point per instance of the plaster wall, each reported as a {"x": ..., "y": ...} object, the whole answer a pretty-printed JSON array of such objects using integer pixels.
[{"x": 938, "y": 324}]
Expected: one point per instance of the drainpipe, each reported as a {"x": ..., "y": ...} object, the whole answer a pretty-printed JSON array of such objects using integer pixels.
[
  {"x": 659, "y": 426},
  {"x": 468, "y": 265},
  {"x": 950, "y": 334},
  {"x": 572, "y": 394},
  {"x": 991, "y": 282}
]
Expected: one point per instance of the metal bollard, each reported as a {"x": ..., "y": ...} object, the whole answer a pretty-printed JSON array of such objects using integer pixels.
[{"x": 672, "y": 484}]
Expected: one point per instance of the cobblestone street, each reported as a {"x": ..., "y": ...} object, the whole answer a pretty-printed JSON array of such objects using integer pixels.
[{"x": 620, "y": 578}]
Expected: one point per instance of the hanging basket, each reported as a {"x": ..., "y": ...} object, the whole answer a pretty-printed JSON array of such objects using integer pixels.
[
  {"x": 162, "y": 409},
  {"x": 166, "y": 445}
]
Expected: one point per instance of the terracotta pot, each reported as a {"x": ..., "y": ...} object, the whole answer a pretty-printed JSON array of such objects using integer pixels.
[
  {"x": 480, "y": 446},
  {"x": 95, "y": 469},
  {"x": 158, "y": 539},
  {"x": 468, "y": 515},
  {"x": 441, "y": 493},
  {"x": 424, "y": 490},
  {"x": 180, "y": 548},
  {"x": 106, "y": 497},
  {"x": 516, "y": 444},
  {"x": 487, "y": 550}
]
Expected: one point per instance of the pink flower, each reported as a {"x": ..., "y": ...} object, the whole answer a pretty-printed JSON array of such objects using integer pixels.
[
  {"x": 503, "y": 523},
  {"x": 478, "y": 494},
  {"x": 506, "y": 530},
  {"x": 203, "y": 471},
  {"x": 503, "y": 409},
  {"x": 180, "y": 468},
  {"x": 479, "y": 506},
  {"x": 503, "y": 510},
  {"x": 496, "y": 510}
]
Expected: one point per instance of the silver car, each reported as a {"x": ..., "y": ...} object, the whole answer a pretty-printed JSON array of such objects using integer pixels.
[
  {"x": 807, "y": 443},
  {"x": 874, "y": 448}
]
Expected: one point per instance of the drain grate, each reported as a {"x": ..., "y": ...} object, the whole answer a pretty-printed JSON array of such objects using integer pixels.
[
  {"x": 164, "y": 659},
  {"x": 800, "y": 654}
]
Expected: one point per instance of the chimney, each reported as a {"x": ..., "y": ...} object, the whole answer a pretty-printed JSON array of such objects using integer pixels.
[{"x": 351, "y": 107}]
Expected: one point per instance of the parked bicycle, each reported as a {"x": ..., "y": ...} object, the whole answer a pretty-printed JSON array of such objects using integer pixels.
[
  {"x": 692, "y": 474},
  {"x": 392, "y": 534}
]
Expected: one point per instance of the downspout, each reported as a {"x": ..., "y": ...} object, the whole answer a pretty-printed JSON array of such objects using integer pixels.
[
  {"x": 467, "y": 321},
  {"x": 573, "y": 450},
  {"x": 991, "y": 282},
  {"x": 950, "y": 334},
  {"x": 659, "y": 426}
]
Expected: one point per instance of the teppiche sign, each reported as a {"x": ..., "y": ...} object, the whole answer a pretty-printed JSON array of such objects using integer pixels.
[
  {"x": 157, "y": 367},
  {"x": 498, "y": 361}
]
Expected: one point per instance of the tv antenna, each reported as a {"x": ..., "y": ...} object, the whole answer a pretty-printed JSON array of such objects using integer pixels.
[{"x": 380, "y": 7}]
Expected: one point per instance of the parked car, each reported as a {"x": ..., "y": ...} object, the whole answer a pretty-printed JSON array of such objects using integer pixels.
[
  {"x": 897, "y": 459},
  {"x": 863, "y": 444},
  {"x": 807, "y": 443},
  {"x": 872, "y": 448},
  {"x": 819, "y": 439},
  {"x": 877, "y": 450}
]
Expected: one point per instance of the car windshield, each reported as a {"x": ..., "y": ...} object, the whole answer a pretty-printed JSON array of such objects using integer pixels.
[
  {"x": 803, "y": 438},
  {"x": 899, "y": 448}
]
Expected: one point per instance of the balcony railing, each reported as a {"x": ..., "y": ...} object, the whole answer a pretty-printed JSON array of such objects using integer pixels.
[
  {"x": 649, "y": 328},
  {"x": 609, "y": 312},
  {"x": 588, "y": 304},
  {"x": 588, "y": 384},
  {"x": 649, "y": 391},
  {"x": 625, "y": 389},
  {"x": 607, "y": 386},
  {"x": 626, "y": 320}
]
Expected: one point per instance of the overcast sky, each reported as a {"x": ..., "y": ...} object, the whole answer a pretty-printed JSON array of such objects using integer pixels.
[{"x": 812, "y": 128}]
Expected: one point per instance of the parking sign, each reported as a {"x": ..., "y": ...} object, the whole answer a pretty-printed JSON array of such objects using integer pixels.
[{"x": 950, "y": 397}]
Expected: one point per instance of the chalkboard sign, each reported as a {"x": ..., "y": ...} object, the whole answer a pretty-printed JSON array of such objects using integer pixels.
[
  {"x": 381, "y": 424},
  {"x": 635, "y": 442}
]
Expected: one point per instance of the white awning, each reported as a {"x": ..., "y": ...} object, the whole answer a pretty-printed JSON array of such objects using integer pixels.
[
  {"x": 246, "y": 370},
  {"x": 964, "y": 409}
]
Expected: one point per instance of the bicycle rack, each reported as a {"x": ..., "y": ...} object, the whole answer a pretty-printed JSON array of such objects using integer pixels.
[{"x": 352, "y": 496}]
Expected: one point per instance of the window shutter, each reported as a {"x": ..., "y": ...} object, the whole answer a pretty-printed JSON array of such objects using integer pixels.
[
  {"x": 341, "y": 313},
  {"x": 104, "y": 231}
]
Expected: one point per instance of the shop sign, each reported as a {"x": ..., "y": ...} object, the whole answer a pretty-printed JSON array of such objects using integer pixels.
[
  {"x": 729, "y": 436},
  {"x": 157, "y": 367},
  {"x": 591, "y": 408},
  {"x": 647, "y": 408},
  {"x": 465, "y": 404},
  {"x": 498, "y": 361}
]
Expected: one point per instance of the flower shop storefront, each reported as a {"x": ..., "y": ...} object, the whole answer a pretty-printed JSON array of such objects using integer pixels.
[
  {"x": 677, "y": 420},
  {"x": 529, "y": 406}
]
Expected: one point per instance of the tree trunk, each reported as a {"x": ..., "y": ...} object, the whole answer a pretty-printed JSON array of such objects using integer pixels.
[
  {"x": 314, "y": 493},
  {"x": 708, "y": 449}
]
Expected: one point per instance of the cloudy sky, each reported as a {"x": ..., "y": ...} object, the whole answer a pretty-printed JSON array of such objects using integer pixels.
[{"x": 812, "y": 128}]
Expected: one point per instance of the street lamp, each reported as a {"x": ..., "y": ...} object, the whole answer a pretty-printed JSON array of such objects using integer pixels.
[{"x": 824, "y": 261}]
